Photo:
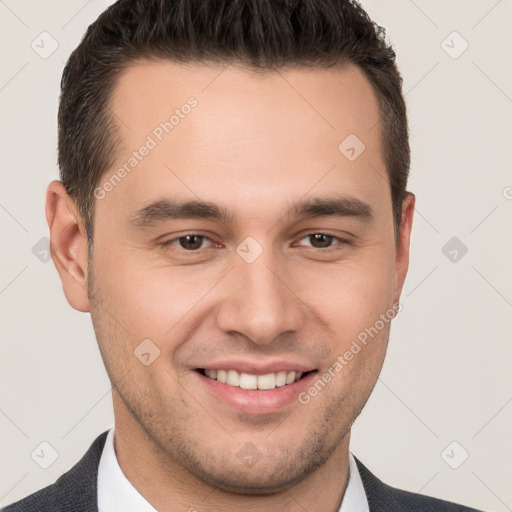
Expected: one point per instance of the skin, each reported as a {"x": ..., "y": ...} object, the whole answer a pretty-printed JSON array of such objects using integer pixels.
[{"x": 254, "y": 145}]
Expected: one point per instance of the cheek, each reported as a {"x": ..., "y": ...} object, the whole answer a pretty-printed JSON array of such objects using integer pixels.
[
  {"x": 350, "y": 297},
  {"x": 151, "y": 299}
]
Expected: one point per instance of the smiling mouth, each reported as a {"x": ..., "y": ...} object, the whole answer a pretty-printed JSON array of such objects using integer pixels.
[{"x": 251, "y": 381}]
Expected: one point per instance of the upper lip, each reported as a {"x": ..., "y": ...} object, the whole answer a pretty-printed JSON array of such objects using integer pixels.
[{"x": 258, "y": 368}]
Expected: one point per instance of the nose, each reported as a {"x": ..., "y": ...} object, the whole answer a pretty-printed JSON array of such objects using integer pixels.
[{"x": 259, "y": 302}]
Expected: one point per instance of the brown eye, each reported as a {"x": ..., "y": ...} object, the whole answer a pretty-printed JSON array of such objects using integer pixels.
[
  {"x": 320, "y": 240},
  {"x": 191, "y": 242}
]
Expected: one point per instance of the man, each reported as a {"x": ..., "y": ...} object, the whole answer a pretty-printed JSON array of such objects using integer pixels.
[{"x": 233, "y": 214}]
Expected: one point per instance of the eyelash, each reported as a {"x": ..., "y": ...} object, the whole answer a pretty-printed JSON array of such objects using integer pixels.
[{"x": 341, "y": 241}]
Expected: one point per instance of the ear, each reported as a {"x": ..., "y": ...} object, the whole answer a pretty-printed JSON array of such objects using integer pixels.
[
  {"x": 68, "y": 245},
  {"x": 404, "y": 238}
]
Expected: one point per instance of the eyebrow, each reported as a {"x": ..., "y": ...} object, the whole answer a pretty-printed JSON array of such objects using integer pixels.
[
  {"x": 162, "y": 210},
  {"x": 332, "y": 207}
]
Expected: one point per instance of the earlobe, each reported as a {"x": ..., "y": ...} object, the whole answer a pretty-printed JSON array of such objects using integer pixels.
[
  {"x": 68, "y": 245},
  {"x": 403, "y": 245}
]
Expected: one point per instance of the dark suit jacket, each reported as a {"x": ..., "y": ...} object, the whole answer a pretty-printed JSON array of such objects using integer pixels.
[{"x": 76, "y": 491}]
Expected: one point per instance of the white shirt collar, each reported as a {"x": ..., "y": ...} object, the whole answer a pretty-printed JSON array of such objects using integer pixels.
[
  {"x": 117, "y": 494},
  {"x": 354, "y": 499}
]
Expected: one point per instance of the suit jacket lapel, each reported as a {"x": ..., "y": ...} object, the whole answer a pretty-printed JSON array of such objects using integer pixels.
[{"x": 77, "y": 489}]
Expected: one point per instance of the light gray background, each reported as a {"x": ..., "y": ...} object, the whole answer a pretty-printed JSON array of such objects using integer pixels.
[{"x": 447, "y": 374}]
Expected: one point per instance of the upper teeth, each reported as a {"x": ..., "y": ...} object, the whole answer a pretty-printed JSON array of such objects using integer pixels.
[{"x": 249, "y": 381}]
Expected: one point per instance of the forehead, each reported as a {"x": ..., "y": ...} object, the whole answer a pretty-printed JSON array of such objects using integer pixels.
[
  {"x": 251, "y": 136},
  {"x": 334, "y": 98}
]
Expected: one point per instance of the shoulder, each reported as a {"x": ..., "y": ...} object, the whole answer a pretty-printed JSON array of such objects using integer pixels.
[
  {"x": 382, "y": 497},
  {"x": 74, "y": 491}
]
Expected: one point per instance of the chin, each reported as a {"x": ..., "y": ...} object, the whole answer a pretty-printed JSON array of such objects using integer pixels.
[
  {"x": 247, "y": 482},
  {"x": 276, "y": 472}
]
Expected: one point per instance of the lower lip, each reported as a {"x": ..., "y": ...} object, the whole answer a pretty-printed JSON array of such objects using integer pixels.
[{"x": 256, "y": 401}]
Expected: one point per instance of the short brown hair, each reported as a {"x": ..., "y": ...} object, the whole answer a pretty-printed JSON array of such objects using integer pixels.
[{"x": 259, "y": 34}]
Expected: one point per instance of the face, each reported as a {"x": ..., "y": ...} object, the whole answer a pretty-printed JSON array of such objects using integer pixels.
[{"x": 244, "y": 244}]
